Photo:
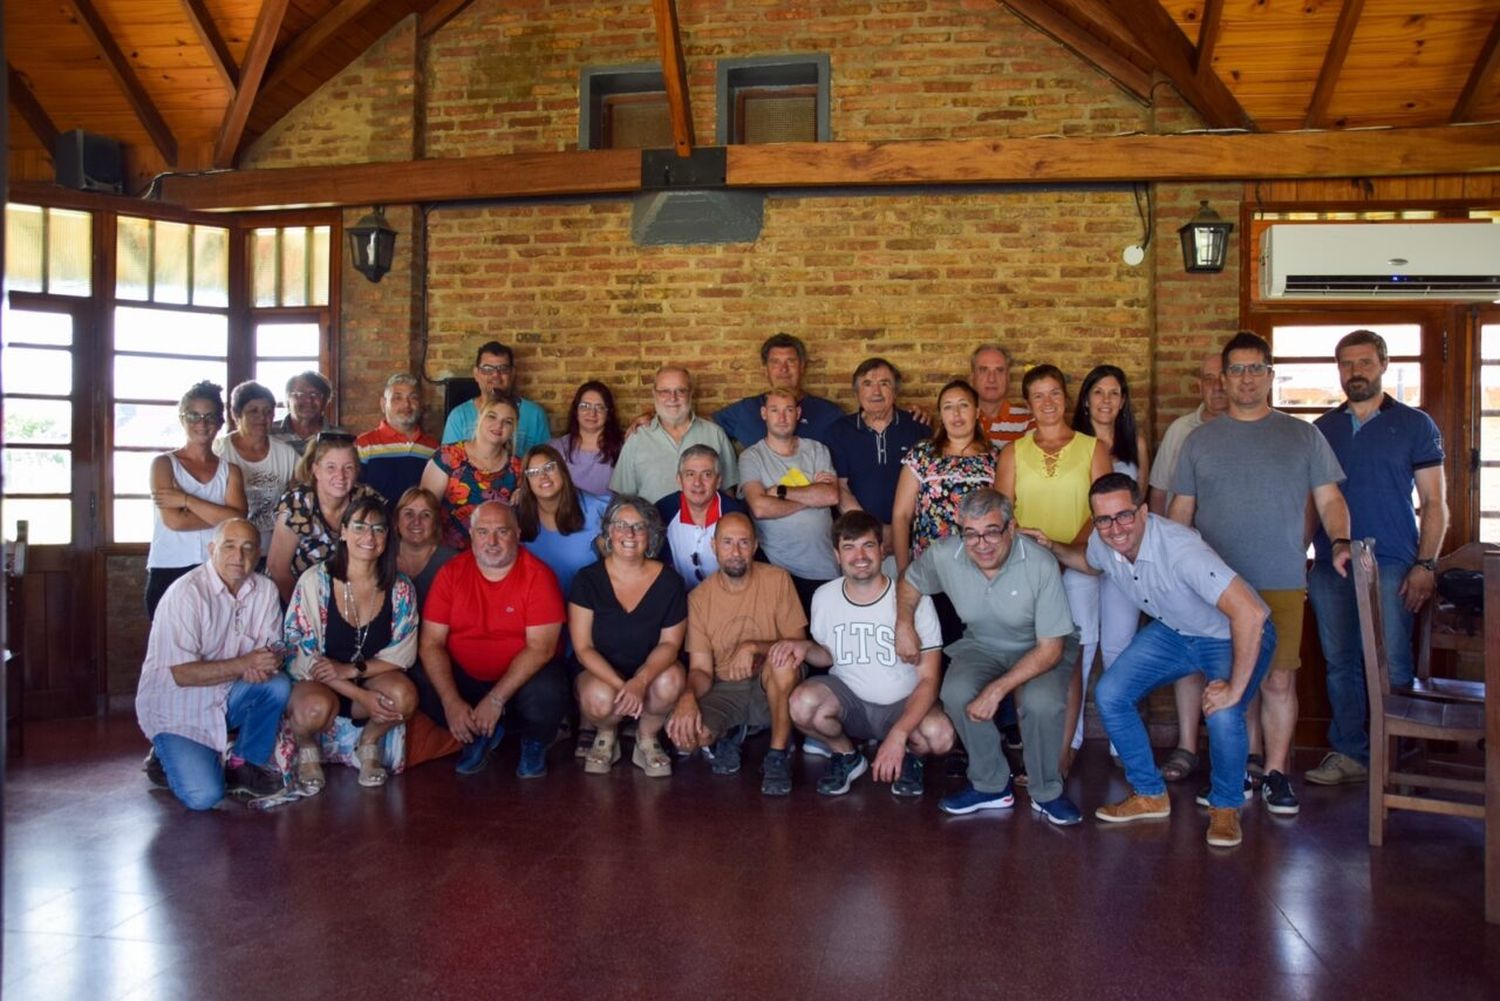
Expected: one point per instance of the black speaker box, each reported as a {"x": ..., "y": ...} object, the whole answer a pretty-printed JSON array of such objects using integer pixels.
[{"x": 87, "y": 162}]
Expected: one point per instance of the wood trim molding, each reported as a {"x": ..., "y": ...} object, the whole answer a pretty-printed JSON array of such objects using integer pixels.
[{"x": 1075, "y": 34}]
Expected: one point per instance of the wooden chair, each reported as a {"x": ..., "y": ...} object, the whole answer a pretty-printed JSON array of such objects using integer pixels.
[
  {"x": 1441, "y": 627},
  {"x": 1398, "y": 714},
  {"x": 1492, "y": 738}
]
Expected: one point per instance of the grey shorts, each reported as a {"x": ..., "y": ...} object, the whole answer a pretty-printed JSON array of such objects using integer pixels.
[
  {"x": 729, "y": 704},
  {"x": 862, "y": 720}
]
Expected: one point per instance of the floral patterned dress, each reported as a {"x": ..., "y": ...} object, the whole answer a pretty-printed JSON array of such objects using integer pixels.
[
  {"x": 468, "y": 488},
  {"x": 942, "y": 481}
]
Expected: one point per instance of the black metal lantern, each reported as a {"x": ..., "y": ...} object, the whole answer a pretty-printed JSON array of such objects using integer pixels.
[
  {"x": 372, "y": 245},
  {"x": 1205, "y": 240}
]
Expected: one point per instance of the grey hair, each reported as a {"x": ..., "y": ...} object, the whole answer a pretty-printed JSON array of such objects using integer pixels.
[
  {"x": 701, "y": 452},
  {"x": 401, "y": 379},
  {"x": 655, "y": 532},
  {"x": 1010, "y": 361},
  {"x": 985, "y": 501}
]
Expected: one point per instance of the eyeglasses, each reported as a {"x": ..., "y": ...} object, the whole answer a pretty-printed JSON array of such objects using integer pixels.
[
  {"x": 992, "y": 535},
  {"x": 549, "y": 467},
  {"x": 335, "y": 438},
  {"x": 672, "y": 392},
  {"x": 592, "y": 408},
  {"x": 488, "y": 369},
  {"x": 630, "y": 527},
  {"x": 199, "y": 417},
  {"x": 369, "y": 527},
  {"x": 1256, "y": 369},
  {"x": 306, "y": 394},
  {"x": 1124, "y": 520}
]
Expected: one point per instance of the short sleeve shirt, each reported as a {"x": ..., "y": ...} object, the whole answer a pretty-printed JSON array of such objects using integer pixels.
[
  {"x": 648, "y": 459},
  {"x": 743, "y": 422},
  {"x": 871, "y": 460},
  {"x": 862, "y": 641},
  {"x": 626, "y": 639},
  {"x": 487, "y": 620},
  {"x": 801, "y": 542},
  {"x": 767, "y": 610}
]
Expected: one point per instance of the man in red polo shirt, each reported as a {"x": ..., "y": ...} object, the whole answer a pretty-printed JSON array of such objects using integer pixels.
[{"x": 489, "y": 646}]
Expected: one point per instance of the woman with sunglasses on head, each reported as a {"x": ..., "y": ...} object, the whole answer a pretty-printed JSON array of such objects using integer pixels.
[
  {"x": 352, "y": 630},
  {"x": 192, "y": 490},
  {"x": 559, "y": 523},
  {"x": 326, "y": 482},
  {"x": 591, "y": 445},
  {"x": 465, "y": 474},
  {"x": 627, "y": 617},
  {"x": 265, "y": 463},
  {"x": 421, "y": 554}
]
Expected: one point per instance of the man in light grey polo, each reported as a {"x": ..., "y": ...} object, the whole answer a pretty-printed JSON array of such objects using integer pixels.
[
  {"x": 1018, "y": 637},
  {"x": 647, "y": 466}
]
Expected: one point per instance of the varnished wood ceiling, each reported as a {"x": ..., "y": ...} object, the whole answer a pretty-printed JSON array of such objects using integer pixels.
[{"x": 185, "y": 84}]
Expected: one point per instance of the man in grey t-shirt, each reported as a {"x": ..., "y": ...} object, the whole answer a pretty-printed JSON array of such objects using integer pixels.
[
  {"x": 791, "y": 488},
  {"x": 1245, "y": 484}
]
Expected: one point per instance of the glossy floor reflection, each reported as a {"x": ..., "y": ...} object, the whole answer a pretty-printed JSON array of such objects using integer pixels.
[{"x": 695, "y": 887}]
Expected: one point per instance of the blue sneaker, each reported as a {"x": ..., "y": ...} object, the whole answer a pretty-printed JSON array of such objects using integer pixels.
[
  {"x": 724, "y": 756},
  {"x": 476, "y": 755},
  {"x": 533, "y": 764},
  {"x": 971, "y": 800},
  {"x": 1059, "y": 811},
  {"x": 816, "y": 748}
]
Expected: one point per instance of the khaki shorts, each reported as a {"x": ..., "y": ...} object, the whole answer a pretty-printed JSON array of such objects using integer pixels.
[
  {"x": 729, "y": 704},
  {"x": 1287, "y": 609}
]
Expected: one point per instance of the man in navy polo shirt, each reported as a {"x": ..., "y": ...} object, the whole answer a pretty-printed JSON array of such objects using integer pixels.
[
  {"x": 785, "y": 360},
  {"x": 868, "y": 445},
  {"x": 1386, "y": 449}
]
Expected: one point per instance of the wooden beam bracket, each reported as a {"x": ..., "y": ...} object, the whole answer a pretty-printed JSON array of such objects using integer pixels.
[
  {"x": 30, "y": 109},
  {"x": 119, "y": 67},
  {"x": 1484, "y": 69},
  {"x": 674, "y": 72},
  {"x": 1333, "y": 64},
  {"x": 257, "y": 55}
]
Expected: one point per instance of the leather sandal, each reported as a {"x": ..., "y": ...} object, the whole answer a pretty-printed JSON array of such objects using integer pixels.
[
  {"x": 1179, "y": 765},
  {"x": 310, "y": 769},
  {"x": 650, "y": 758},
  {"x": 371, "y": 772},
  {"x": 603, "y": 755}
]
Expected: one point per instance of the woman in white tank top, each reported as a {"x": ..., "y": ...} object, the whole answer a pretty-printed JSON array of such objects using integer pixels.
[{"x": 193, "y": 491}]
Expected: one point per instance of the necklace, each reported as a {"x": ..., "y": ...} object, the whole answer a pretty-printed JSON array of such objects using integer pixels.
[{"x": 361, "y": 629}]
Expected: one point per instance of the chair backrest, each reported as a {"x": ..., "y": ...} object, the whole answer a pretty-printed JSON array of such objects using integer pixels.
[
  {"x": 1439, "y": 629},
  {"x": 1366, "y": 573}
]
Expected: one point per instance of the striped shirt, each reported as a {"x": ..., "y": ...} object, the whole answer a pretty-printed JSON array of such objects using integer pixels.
[
  {"x": 1009, "y": 424},
  {"x": 391, "y": 461},
  {"x": 199, "y": 620}
]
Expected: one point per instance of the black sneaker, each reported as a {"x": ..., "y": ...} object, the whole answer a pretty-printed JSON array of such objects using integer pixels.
[
  {"x": 724, "y": 756},
  {"x": 1276, "y": 793},
  {"x": 776, "y": 773},
  {"x": 957, "y": 764},
  {"x": 909, "y": 782},
  {"x": 843, "y": 769},
  {"x": 252, "y": 781},
  {"x": 155, "y": 773},
  {"x": 1202, "y": 798}
]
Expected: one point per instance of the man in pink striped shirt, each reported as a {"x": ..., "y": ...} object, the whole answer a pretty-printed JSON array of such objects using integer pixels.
[{"x": 211, "y": 667}]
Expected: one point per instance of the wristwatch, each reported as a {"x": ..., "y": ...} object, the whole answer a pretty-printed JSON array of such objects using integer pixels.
[
  {"x": 781, "y": 490},
  {"x": 1339, "y": 542},
  {"x": 1429, "y": 565}
]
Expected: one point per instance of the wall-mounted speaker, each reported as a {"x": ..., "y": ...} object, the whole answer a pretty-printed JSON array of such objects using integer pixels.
[{"x": 88, "y": 162}]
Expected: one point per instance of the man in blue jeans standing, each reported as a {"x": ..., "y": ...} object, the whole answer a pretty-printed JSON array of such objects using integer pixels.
[
  {"x": 1387, "y": 450},
  {"x": 1206, "y": 620},
  {"x": 210, "y": 668}
]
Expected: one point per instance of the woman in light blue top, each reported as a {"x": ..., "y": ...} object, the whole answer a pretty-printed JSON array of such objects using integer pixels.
[{"x": 559, "y": 522}]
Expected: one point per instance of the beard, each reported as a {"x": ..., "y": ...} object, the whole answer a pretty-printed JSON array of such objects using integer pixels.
[
  {"x": 1359, "y": 390},
  {"x": 735, "y": 568}
]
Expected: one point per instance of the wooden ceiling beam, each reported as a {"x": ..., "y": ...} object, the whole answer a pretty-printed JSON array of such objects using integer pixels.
[
  {"x": 439, "y": 14},
  {"x": 674, "y": 72},
  {"x": 119, "y": 67},
  {"x": 1074, "y": 35},
  {"x": 1333, "y": 63},
  {"x": 262, "y": 40},
  {"x": 1107, "y": 159},
  {"x": 1480, "y": 76},
  {"x": 306, "y": 46},
  {"x": 23, "y": 99},
  {"x": 1176, "y": 57},
  {"x": 1208, "y": 36},
  {"x": 213, "y": 42}
]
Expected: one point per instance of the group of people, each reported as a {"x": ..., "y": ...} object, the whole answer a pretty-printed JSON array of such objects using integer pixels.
[{"x": 887, "y": 584}]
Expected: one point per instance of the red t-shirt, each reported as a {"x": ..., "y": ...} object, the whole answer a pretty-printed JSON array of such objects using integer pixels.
[{"x": 486, "y": 619}]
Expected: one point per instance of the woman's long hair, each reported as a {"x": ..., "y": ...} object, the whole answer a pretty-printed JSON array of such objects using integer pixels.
[
  {"x": 611, "y": 438},
  {"x": 1124, "y": 448},
  {"x": 528, "y": 514}
]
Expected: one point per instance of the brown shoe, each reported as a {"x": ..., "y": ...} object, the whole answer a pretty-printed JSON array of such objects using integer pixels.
[
  {"x": 1137, "y": 807},
  {"x": 1224, "y": 826}
]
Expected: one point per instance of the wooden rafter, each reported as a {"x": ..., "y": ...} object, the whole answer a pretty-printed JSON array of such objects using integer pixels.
[
  {"x": 262, "y": 39},
  {"x": 1208, "y": 36},
  {"x": 1107, "y": 159},
  {"x": 1480, "y": 76},
  {"x": 115, "y": 61},
  {"x": 1075, "y": 34},
  {"x": 674, "y": 72},
  {"x": 213, "y": 42},
  {"x": 300, "y": 50},
  {"x": 439, "y": 14},
  {"x": 1175, "y": 56},
  {"x": 1333, "y": 63},
  {"x": 30, "y": 109}
]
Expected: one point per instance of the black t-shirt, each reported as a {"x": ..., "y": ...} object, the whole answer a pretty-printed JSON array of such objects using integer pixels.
[
  {"x": 626, "y": 639},
  {"x": 338, "y": 640}
]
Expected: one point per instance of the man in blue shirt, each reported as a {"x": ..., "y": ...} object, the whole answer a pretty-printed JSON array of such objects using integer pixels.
[
  {"x": 785, "y": 360},
  {"x": 868, "y": 445},
  {"x": 495, "y": 371},
  {"x": 1387, "y": 449}
]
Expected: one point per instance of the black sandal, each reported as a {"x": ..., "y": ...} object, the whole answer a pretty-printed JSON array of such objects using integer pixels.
[{"x": 1179, "y": 765}]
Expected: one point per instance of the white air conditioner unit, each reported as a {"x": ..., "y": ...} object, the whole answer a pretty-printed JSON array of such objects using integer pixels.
[{"x": 1457, "y": 261}]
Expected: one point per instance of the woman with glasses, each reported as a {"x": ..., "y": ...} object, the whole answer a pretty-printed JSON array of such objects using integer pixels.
[
  {"x": 592, "y": 442},
  {"x": 559, "y": 523},
  {"x": 352, "y": 633},
  {"x": 265, "y": 463},
  {"x": 192, "y": 490},
  {"x": 1104, "y": 411},
  {"x": 1047, "y": 474},
  {"x": 627, "y": 616},
  {"x": 324, "y": 484},
  {"x": 465, "y": 474},
  {"x": 420, "y": 555},
  {"x": 937, "y": 473}
]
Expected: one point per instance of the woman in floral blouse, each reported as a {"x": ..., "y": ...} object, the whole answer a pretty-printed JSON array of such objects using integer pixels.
[{"x": 468, "y": 473}]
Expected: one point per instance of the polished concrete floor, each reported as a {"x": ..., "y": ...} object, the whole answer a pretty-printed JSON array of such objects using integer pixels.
[{"x": 580, "y": 887}]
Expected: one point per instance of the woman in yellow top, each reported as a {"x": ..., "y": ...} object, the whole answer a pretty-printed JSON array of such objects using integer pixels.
[{"x": 1047, "y": 474}]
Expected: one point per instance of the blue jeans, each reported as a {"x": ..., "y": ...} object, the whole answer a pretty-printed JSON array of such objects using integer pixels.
[
  {"x": 196, "y": 771},
  {"x": 1158, "y": 656},
  {"x": 1334, "y": 606}
]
